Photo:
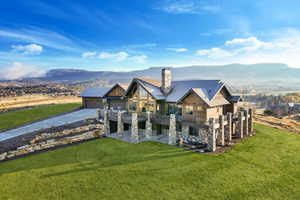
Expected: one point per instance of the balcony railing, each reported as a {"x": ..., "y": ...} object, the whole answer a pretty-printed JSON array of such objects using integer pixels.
[{"x": 155, "y": 118}]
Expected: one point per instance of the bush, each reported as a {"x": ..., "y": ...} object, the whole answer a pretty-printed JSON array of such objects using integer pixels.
[{"x": 268, "y": 112}]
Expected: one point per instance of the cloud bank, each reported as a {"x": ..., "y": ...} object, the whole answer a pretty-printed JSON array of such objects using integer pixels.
[
  {"x": 19, "y": 70},
  {"x": 283, "y": 48}
]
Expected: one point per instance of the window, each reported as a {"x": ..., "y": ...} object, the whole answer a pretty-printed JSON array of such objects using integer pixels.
[
  {"x": 158, "y": 107},
  {"x": 188, "y": 110},
  {"x": 132, "y": 106},
  {"x": 199, "y": 108},
  {"x": 143, "y": 93},
  {"x": 193, "y": 131},
  {"x": 172, "y": 109}
]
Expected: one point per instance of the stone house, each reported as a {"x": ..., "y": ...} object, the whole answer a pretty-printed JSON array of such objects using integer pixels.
[{"x": 193, "y": 102}]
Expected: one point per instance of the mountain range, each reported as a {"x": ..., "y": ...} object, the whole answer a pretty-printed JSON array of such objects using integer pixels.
[{"x": 258, "y": 75}]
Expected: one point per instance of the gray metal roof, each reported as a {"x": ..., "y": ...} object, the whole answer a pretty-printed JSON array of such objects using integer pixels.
[
  {"x": 206, "y": 89},
  {"x": 94, "y": 92}
]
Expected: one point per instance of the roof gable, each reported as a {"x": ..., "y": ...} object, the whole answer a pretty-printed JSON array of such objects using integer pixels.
[{"x": 152, "y": 89}]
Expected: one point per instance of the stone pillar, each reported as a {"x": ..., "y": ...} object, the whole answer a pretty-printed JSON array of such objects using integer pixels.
[
  {"x": 203, "y": 135},
  {"x": 211, "y": 146},
  {"x": 106, "y": 122},
  {"x": 240, "y": 122},
  {"x": 148, "y": 132},
  {"x": 120, "y": 131},
  {"x": 221, "y": 138},
  {"x": 98, "y": 114},
  {"x": 228, "y": 135},
  {"x": 134, "y": 128},
  {"x": 185, "y": 130},
  {"x": 251, "y": 121},
  {"x": 246, "y": 123},
  {"x": 172, "y": 130}
]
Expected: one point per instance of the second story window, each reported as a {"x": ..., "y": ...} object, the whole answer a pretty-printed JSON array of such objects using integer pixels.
[
  {"x": 143, "y": 93},
  {"x": 188, "y": 110},
  {"x": 132, "y": 106}
]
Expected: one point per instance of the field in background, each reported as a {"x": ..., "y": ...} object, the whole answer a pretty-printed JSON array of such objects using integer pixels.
[
  {"x": 7, "y": 103},
  {"x": 16, "y": 118},
  {"x": 286, "y": 123},
  {"x": 265, "y": 166}
]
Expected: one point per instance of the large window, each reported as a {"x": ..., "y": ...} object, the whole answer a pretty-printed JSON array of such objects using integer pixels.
[
  {"x": 132, "y": 106},
  {"x": 143, "y": 93},
  {"x": 174, "y": 109},
  {"x": 188, "y": 110}
]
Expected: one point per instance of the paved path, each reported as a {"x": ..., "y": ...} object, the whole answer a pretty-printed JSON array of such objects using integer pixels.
[{"x": 48, "y": 123}]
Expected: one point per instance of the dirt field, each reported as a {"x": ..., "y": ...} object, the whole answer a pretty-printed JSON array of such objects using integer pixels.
[
  {"x": 284, "y": 123},
  {"x": 8, "y": 103}
]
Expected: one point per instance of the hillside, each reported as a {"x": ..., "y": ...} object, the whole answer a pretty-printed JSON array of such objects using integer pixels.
[
  {"x": 255, "y": 72},
  {"x": 265, "y": 166}
]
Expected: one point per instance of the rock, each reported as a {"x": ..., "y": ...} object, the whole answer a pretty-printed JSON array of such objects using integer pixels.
[{"x": 23, "y": 147}]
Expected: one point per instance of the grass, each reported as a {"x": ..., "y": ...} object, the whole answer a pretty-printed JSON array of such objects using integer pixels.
[
  {"x": 16, "y": 118},
  {"x": 266, "y": 166}
]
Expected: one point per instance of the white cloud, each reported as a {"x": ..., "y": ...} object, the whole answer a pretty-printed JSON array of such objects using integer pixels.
[
  {"x": 88, "y": 54},
  {"x": 28, "y": 49},
  {"x": 116, "y": 57},
  {"x": 121, "y": 56},
  {"x": 40, "y": 36},
  {"x": 139, "y": 59},
  {"x": 20, "y": 70},
  {"x": 179, "y": 50},
  {"x": 214, "y": 53},
  {"x": 187, "y": 7},
  {"x": 284, "y": 47}
]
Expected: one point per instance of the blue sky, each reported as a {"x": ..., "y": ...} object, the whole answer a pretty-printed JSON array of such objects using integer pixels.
[{"x": 124, "y": 35}]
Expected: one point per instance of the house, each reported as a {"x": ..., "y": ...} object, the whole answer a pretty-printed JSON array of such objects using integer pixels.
[
  {"x": 200, "y": 112},
  {"x": 104, "y": 97},
  {"x": 195, "y": 99}
]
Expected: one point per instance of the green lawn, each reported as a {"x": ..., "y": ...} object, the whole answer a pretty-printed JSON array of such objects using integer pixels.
[
  {"x": 266, "y": 166},
  {"x": 16, "y": 118}
]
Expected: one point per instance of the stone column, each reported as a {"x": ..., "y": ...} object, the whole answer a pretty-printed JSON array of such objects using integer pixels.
[
  {"x": 221, "y": 138},
  {"x": 241, "y": 129},
  {"x": 106, "y": 122},
  {"x": 203, "y": 135},
  {"x": 120, "y": 131},
  {"x": 98, "y": 116},
  {"x": 246, "y": 123},
  {"x": 228, "y": 135},
  {"x": 148, "y": 132},
  {"x": 251, "y": 121},
  {"x": 134, "y": 128},
  {"x": 185, "y": 130},
  {"x": 211, "y": 146},
  {"x": 172, "y": 130}
]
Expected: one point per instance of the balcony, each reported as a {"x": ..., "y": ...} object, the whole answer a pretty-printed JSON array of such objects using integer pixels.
[{"x": 154, "y": 117}]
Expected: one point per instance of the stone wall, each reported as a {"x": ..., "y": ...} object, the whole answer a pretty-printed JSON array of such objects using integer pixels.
[{"x": 50, "y": 140}]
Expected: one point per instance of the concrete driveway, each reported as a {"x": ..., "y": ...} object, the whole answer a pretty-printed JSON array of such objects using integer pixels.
[{"x": 48, "y": 123}]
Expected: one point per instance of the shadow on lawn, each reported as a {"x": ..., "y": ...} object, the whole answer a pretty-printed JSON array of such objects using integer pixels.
[
  {"x": 91, "y": 157},
  {"x": 90, "y": 167}
]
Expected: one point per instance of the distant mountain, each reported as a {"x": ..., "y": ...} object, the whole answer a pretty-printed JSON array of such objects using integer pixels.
[
  {"x": 263, "y": 74},
  {"x": 233, "y": 72}
]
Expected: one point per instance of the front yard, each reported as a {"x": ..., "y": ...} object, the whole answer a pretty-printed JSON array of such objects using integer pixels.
[{"x": 266, "y": 166}]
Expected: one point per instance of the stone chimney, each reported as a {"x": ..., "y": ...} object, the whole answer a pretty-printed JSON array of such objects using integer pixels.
[{"x": 166, "y": 80}]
